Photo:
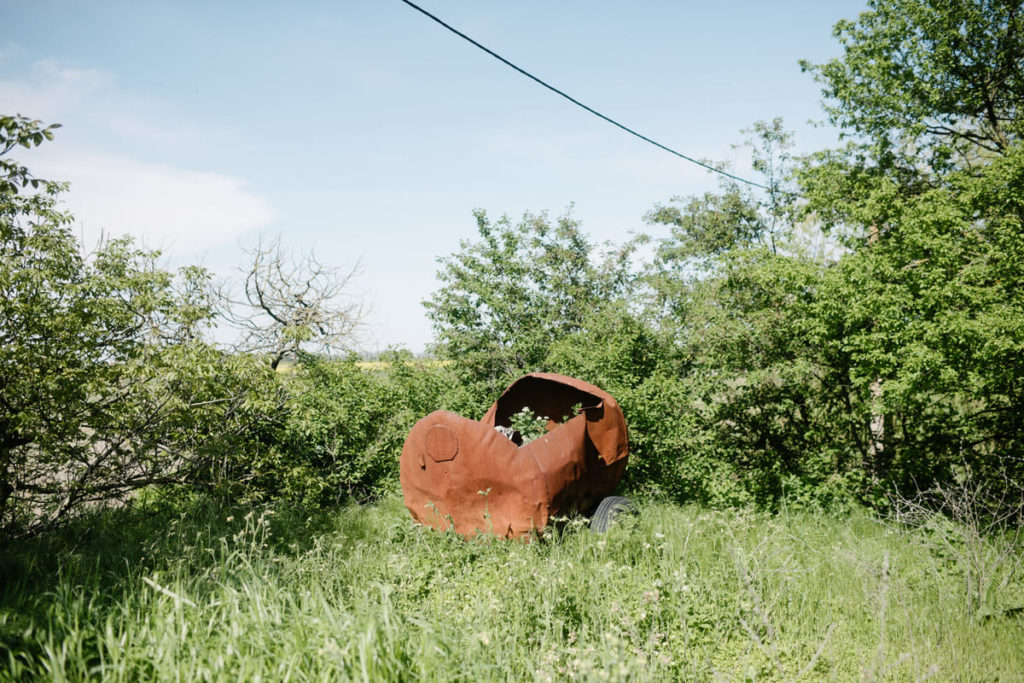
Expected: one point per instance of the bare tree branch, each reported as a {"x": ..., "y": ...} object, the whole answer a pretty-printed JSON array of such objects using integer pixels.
[{"x": 293, "y": 303}]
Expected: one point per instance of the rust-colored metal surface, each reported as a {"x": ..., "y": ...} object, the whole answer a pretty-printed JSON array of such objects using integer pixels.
[{"x": 467, "y": 473}]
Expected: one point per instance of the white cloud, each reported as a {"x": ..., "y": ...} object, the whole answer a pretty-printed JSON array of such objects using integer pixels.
[
  {"x": 175, "y": 210},
  {"x": 178, "y": 210},
  {"x": 89, "y": 103},
  {"x": 52, "y": 90}
]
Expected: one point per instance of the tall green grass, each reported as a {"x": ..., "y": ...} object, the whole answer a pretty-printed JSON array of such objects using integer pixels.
[{"x": 364, "y": 594}]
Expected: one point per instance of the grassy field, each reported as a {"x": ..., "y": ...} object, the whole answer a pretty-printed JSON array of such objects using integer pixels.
[{"x": 206, "y": 593}]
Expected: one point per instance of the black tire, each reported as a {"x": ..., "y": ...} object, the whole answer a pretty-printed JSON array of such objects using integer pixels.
[{"x": 607, "y": 510}]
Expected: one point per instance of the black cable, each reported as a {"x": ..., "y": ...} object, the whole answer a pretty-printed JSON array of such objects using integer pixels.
[{"x": 580, "y": 104}]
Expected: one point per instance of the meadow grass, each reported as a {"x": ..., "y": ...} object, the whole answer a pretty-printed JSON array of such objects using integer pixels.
[{"x": 211, "y": 593}]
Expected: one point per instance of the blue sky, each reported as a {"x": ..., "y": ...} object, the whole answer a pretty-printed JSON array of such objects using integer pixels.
[{"x": 367, "y": 133}]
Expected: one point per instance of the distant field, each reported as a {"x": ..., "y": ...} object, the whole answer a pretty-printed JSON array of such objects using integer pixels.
[
  {"x": 384, "y": 365},
  {"x": 286, "y": 366},
  {"x": 364, "y": 594}
]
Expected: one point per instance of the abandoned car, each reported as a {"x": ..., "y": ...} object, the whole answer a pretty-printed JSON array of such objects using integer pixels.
[{"x": 482, "y": 477}]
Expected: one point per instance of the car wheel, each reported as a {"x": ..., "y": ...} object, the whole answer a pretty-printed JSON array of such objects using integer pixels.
[{"x": 607, "y": 510}]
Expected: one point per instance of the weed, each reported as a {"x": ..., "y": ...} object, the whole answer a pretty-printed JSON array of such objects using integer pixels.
[{"x": 363, "y": 593}]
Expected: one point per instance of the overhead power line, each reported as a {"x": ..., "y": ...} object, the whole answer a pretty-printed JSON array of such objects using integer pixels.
[{"x": 580, "y": 104}]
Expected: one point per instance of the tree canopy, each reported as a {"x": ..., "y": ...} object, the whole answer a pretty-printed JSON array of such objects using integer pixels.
[{"x": 929, "y": 86}]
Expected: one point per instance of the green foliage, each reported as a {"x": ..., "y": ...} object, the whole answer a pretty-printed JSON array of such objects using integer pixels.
[
  {"x": 810, "y": 381},
  {"x": 508, "y": 297},
  {"x": 709, "y": 226},
  {"x": 20, "y": 131},
  {"x": 934, "y": 315},
  {"x": 755, "y": 410},
  {"x": 107, "y": 385},
  {"x": 922, "y": 321},
  {"x": 633, "y": 361},
  {"x": 613, "y": 348},
  {"x": 343, "y": 427},
  {"x": 713, "y": 225},
  {"x": 753, "y": 372},
  {"x": 932, "y": 85},
  {"x": 672, "y": 453},
  {"x": 529, "y": 425}
]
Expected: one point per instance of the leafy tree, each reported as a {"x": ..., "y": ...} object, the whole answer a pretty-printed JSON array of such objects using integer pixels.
[
  {"x": 927, "y": 195},
  {"x": 706, "y": 230},
  {"x": 735, "y": 292},
  {"x": 106, "y": 385},
  {"x": 930, "y": 310},
  {"x": 716, "y": 223},
  {"x": 509, "y": 296},
  {"x": 928, "y": 86},
  {"x": 614, "y": 348}
]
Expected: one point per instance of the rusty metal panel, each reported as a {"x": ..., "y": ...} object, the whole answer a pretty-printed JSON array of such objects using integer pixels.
[{"x": 468, "y": 474}]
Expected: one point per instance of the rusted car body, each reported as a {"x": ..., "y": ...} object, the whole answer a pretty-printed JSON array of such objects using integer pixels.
[{"x": 468, "y": 474}]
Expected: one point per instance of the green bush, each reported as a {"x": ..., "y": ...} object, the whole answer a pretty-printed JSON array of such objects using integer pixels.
[
  {"x": 343, "y": 427},
  {"x": 108, "y": 385}
]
